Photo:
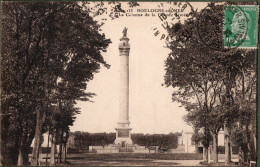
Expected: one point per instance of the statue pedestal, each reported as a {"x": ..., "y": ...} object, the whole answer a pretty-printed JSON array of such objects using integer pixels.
[{"x": 123, "y": 137}]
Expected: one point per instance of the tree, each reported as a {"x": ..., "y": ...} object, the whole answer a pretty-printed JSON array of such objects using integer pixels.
[
  {"x": 245, "y": 98},
  {"x": 44, "y": 43},
  {"x": 20, "y": 94},
  {"x": 161, "y": 140},
  {"x": 191, "y": 70},
  {"x": 203, "y": 77}
]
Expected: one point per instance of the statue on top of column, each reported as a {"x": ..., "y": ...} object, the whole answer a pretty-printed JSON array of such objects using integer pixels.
[{"x": 125, "y": 32}]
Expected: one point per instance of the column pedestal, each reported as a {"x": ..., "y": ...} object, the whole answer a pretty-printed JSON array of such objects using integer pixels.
[{"x": 123, "y": 135}]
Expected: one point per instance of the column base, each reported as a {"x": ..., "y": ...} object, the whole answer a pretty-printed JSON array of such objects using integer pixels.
[{"x": 123, "y": 137}]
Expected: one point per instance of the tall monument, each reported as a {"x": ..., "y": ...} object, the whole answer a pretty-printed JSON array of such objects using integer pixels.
[{"x": 123, "y": 130}]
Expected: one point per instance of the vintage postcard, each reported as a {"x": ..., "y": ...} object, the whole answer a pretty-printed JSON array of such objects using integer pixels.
[{"x": 111, "y": 83}]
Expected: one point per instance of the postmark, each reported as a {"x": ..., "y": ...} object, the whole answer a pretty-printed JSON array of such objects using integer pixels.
[
  {"x": 220, "y": 27},
  {"x": 240, "y": 26},
  {"x": 177, "y": 10}
]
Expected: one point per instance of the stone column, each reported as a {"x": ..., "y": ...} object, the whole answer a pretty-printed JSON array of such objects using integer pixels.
[{"x": 123, "y": 135}]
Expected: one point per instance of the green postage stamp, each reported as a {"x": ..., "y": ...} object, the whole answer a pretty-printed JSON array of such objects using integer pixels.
[{"x": 240, "y": 26}]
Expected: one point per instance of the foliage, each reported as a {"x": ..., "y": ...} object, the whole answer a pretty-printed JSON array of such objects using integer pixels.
[
  {"x": 161, "y": 140},
  {"x": 209, "y": 80},
  {"x": 85, "y": 139},
  {"x": 49, "y": 53},
  {"x": 196, "y": 137}
]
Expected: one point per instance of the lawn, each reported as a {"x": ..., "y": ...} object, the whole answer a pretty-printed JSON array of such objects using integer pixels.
[
  {"x": 137, "y": 159},
  {"x": 156, "y": 156},
  {"x": 132, "y": 159}
]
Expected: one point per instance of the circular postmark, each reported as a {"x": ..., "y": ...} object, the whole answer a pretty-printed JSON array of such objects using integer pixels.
[
  {"x": 173, "y": 13},
  {"x": 222, "y": 27}
]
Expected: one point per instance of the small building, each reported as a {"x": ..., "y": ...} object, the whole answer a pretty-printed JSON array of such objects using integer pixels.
[
  {"x": 71, "y": 141},
  {"x": 180, "y": 140},
  {"x": 45, "y": 143},
  {"x": 187, "y": 142},
  {"x": 189, "y": 146}
]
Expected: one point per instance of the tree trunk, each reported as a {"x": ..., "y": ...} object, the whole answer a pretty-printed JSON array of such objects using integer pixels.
[
  {"x": 20, "y": 155},
  {"x": 26, "y": 151},
  {"x": 227, "y": 145},
  {"x": 248, "y": 157},
  {"x": 36, "y": 147},
  {"x": 48, "y": 147},
  {"x": 1, "y": 158},
  {"x": 1, "y": 142},
  {"x": 1, "y": 151},
  {"x": 215, "y": 148},
  {"x": 196, "y": 147},
  {"x": 208, "y": 155},
  {"x": 60, "y": 153},
  {"x": 240, "y": 156},
  {"x": 205, "y": 154},
  {"x": 64, "y": 153},
  {"x": 255, "y": 145},
  {"x": 20, "y": 158},
  {"x": 53, "y": 149}
]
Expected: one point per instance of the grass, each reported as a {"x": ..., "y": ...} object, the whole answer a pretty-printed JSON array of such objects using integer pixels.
[
  {"x": 130, "y": 159},
  {"x": 155, "y": 156},
  {"x": 138, "y": 159}
]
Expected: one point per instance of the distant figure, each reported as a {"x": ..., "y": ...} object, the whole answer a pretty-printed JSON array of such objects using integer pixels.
[{"x": 125, "y": 32}]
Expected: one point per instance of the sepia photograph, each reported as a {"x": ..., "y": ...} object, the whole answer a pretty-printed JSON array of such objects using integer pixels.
[{"x": 127, "y": 83}]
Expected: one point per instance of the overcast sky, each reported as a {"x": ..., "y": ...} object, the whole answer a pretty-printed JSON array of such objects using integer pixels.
[{"x": 151, "y": 108}]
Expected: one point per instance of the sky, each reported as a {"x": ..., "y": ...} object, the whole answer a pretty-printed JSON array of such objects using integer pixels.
[{"x": 151, "y": 109}]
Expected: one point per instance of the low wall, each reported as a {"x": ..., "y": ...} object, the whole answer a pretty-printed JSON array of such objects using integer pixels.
[
  {"x": 116, "y": 149},
  {"x": 143, "y": 151},
  {"x": 139, "y": 147},
  {"x": 106, "y": 151}
]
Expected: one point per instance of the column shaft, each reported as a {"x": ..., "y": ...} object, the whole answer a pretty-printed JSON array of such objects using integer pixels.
[{"x": 124, "y": 89}]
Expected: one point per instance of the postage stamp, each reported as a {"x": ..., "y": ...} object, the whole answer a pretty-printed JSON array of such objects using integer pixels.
[{"x": 240, "y": 26}]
